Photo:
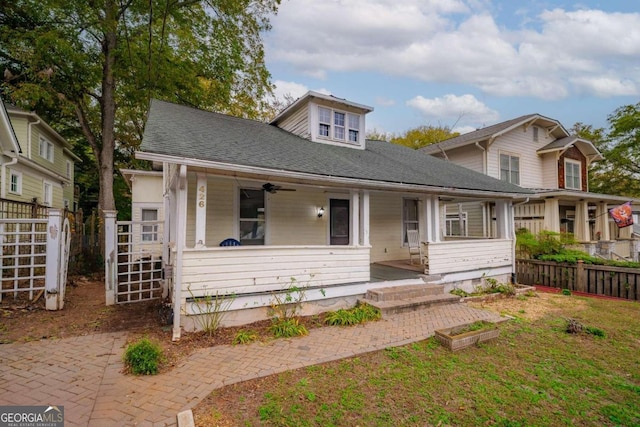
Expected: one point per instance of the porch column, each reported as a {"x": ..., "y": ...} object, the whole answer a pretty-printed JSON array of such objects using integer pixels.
[
  {"x": 433, "y": 219},
  {"x": 581, "y": 230},
  {"x": 364, "y": 219},
  {"x": 552, "y": 215},
  {"x": 625, "y": 233},
  {"x": 355, "y": 218},
  {"x": 180, "y": 242},
  {"x": 423, "y": 218},
  {"x": 602, "y": 221},
  {"x": 201, "y": 210},
  {"x": 504, "y": 219}
]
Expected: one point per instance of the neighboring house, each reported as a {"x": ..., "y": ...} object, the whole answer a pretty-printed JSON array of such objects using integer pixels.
[
  {"x": 312, "y": 204},
  {"x": 36, "y": 162},
  {"x": 537, "y": 153}
]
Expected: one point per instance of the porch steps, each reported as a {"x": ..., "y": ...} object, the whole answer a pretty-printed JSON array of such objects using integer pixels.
[{"x": 401, "y": 299}]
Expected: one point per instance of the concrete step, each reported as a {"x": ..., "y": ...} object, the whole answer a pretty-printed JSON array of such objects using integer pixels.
[
  {"x": 412, "y": 304},
  {"x": 404, "y": 292}
]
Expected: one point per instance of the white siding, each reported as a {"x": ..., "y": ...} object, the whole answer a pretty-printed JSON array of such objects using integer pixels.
[
  {"x": 550, "y": 171},
  {"x": 293, "y": 217},
  {"x": 519, "y": 142},
  {"x": 386, "y": 227},
  {"x": 298, "y": 122},
  {"x": 221, "y": 198},
  {"x": 471, "y": 157},
  {"x": 244, "y": 269},
  {"x": 468, "y": 255}
]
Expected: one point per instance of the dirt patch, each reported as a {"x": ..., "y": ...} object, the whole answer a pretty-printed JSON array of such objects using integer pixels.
[{"x": 531, "y": 308}]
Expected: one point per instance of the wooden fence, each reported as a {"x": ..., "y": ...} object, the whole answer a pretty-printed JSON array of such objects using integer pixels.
[{"x": 606, "y": 280}]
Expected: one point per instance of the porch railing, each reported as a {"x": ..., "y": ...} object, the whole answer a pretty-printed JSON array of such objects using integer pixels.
[{"x": 471, "y": 254}]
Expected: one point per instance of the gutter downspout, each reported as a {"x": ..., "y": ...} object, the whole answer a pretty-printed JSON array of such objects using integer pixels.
[
  {"x": 513, "y": 240},
  {"x": 3, "y": 174},
  {"x": 37, "y": 122}
]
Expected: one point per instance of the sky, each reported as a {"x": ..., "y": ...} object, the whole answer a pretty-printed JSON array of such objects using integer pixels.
[{"x": 464, "y": 64}]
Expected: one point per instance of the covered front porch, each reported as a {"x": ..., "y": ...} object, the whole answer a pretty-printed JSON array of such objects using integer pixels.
[
  {"x": 586, "y": 216},
  {"x": 322, "y": 237}
]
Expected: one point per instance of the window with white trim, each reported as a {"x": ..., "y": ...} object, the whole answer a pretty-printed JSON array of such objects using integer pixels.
[
  {"x": 66, "y": 204},
  {"x": 149, "y": 232},
  {"x": 409, "y": 218},
  {"x": 338, "y": 125},
  {"x": 510, "y": 168},
  {"x": 47, "y": 193},
  {"x": 354, "y": 127},
  {"x": 69, "y": 169},
  {"x": 456, "y": 224},
  {"x": 15, "y": 182},
  {"x": 324, "y": 118},
  {"x": 535, "y": 133},
  {"x": 252, "y": 217},
  {"x": 46, "y": 149},
  {"x": 572, "y": 174}
]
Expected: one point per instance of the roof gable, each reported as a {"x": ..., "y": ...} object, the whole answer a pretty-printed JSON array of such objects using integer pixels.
[
  {"x": 8, "y": 140},
  {"x": 586, "y": 147},
  {"x": 184, "y": 132},
  {"x": 496, "y": 130}
]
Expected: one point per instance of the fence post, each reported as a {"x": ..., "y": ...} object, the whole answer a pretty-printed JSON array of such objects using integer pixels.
[
  {"x": 110, "y": 257},
  {"x": 581, "y": 277},
  {"x": 53, "y": 295}
]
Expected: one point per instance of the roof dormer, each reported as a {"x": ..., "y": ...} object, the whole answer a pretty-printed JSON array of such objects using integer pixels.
[{"x": 325, "y": 119}]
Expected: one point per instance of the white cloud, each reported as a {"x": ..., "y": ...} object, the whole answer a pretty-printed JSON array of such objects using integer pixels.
[
  {"x": 293, "y": 89},
  {"x": 553, "y": 54},
  {"x": 465, "y": 108}
]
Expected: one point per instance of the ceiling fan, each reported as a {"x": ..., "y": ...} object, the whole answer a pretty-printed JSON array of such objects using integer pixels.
[{"x": 271, "y": 188}]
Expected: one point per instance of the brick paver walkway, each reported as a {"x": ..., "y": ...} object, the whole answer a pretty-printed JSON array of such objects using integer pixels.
[{"x": 83, "y": 373}]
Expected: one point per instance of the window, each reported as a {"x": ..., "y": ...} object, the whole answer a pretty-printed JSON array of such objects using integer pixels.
[
  {"x": 510, "y": 169},
  {"x": 324, "y": 117},
  {"x": 69, "y": 169},
  {"x": 252, "y": 223},
  {"x": 409, "y": 217},
  {"x": 572, "y": 175},
  {"x": 535, "y": 133},
  {"x": 456, "y": 224},
  {"x": 15, "y": 182},
  {"x": 338, "y": 126},
  {"x": 149, "y": 231},
  {"x": 46, "y": 149},
  {"x": 354, "y": 127},
  {"x": 47, "y": 193},
  {"x": 338, "y": 119},
  {"x": 65, "y": 203}
]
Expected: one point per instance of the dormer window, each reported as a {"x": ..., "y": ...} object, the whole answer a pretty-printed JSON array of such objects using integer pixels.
[
  {"x": 354, "y": 127},
  {"x": 338, "y": 125},
  {"x": 572, "y": 175}
]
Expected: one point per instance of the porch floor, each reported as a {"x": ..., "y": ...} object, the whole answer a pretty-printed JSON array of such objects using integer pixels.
[{"x": 395, "y": 270}]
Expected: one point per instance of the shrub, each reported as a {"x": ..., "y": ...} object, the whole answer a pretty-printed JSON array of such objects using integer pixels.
[
  {"x": 566, "y": 292},
  {"x": 460, "y": 293},
  {"x": 595, "y": 331},
  {"x": 210, "y": 310},
  {"x": 359, "y": 314},
  {"x": 287, "y": 328},
  {"x": 245, "y": 337},
  {"x": 143, "y": 357}
]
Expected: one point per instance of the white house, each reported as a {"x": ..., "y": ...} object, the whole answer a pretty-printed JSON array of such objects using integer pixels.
[
  {"x": 537, "y": 153},
  {"x": 311, "y": 203}
]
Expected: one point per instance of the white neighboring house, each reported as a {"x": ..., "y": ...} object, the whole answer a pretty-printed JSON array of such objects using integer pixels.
[
  {"x": 537, "y": 153},
  {"x": 146, "y": 205},
  {"x": 35, "y": 161},
  {"x": 311, "y": 203}
]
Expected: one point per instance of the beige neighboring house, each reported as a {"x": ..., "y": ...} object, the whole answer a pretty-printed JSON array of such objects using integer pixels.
[
  {"x": 36, "y": 163},
  {"x": 311, "y": 202},
  {"x": 537, "y": 153},
  {"x": 147, "y": 204}
]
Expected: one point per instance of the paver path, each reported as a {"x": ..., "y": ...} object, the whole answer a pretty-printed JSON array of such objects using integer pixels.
[{"x": 83, "y": 373}]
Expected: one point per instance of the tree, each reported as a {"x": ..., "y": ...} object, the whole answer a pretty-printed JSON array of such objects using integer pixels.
[
  {"x": 619, "y": 172},
  {"x": 95, "y": 64},
  {"x": 424, "y": 135},
  {"x": 377, "y": 135}
]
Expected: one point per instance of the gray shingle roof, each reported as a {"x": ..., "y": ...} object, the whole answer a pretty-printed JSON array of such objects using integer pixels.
[{"x": 180, "y": 131}]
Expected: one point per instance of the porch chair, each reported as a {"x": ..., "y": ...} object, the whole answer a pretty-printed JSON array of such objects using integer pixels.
[{"x": 415, "y": 248}]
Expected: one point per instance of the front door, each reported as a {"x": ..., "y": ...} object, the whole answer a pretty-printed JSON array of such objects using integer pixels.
[{"x": 339, "y": 221}]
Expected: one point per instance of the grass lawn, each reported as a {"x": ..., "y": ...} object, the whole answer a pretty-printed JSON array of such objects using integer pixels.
[{"x": 534, "y": 374}]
